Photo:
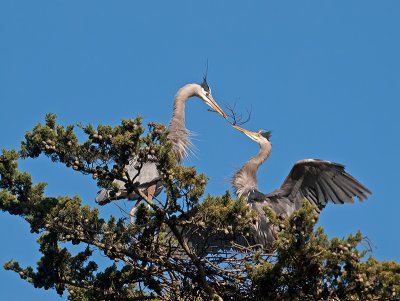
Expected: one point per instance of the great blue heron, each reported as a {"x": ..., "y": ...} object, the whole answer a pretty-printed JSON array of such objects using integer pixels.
[
  {"x": 317, "y": 181},
  {"x": 148, "y": 178}
]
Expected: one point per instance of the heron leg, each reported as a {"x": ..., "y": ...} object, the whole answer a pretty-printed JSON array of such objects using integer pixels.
[
  {"x": 132, "y": 213},
  {"x": 150, "y": 194},
  {"x": 151, "y": 190}
]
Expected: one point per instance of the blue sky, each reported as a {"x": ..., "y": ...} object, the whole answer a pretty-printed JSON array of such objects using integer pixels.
[{"x": 322, "y": 75}]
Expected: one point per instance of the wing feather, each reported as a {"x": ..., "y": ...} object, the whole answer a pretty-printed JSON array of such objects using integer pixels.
[
  {"x": 363, "y": 191},
  {"x": 321, "y": 197},
  {"x": 341, "y": 196},
  {"x": 340, "y": 192},
  {"x": 320, "y": 181},
  {"x": 331, "y": 194},
  {"x": 353, "y": 188},
  {"x": 339, "y": 181}
]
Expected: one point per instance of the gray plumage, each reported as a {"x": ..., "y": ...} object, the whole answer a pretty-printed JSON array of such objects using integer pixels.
[
  {"x": 314, "y": 180},
  {"x": 148, "y": 175}
]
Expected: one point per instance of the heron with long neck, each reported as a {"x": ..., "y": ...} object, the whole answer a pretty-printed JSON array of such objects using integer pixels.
[
  {"x": 148, "y": 176},
  {"x": 178, "y": 134},
  {"x": 313, "y": 180}
]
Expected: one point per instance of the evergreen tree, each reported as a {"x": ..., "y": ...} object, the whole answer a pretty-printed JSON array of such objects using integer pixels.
[{"x": 152, "y": 258}]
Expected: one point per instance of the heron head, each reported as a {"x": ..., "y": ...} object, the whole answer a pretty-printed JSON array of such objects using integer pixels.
[
  {"x": 259, "y": 136},
  {"x": 205, "y": 95}
]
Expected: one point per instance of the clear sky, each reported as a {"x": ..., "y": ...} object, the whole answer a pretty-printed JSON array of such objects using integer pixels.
[{"x": 324, "y": 76}]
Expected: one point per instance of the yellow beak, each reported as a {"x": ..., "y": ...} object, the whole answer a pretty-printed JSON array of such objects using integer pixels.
[
  {"x": 211, "y": 102},
  {"x": 249, "y": 134}
]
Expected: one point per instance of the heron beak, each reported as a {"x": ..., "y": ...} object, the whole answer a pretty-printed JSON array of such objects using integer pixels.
[
  {"x": 249, "y": 134},
  {"x": 211, "y": 102}
]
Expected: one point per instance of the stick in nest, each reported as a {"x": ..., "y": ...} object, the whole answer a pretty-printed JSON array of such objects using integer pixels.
[{"x": 233, "y": 117}]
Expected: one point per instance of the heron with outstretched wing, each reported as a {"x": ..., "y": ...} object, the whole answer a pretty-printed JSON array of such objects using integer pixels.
[{"x": 314, "y": 180}]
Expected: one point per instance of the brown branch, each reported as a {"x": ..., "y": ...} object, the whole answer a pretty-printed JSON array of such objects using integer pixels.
[
  {"x": 237, "y": 118},
  {"x": 201, "y": 273}
]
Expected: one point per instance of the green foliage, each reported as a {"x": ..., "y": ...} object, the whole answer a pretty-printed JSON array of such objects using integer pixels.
[
  {"x": 308, "y": 266},
  {"x": 222, "y": 214},
  {"x": 154, "y": 257}
]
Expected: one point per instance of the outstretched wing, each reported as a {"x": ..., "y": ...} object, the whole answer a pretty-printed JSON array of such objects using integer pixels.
[{"x": 319, "y": 182}]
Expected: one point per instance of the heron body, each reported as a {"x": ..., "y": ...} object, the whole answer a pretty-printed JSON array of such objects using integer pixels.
[
  {"x": 313, "y": 180},
  {"x": 148, "y": 177}
]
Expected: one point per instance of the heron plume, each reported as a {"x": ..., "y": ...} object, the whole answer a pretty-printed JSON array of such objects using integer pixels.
[{"x": 266, "y": 134}]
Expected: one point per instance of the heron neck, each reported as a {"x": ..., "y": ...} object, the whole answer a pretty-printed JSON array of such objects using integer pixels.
[
  {"x": 263, "y": 154},
  {"x": 245, "y": 180},
  {"x": 178, "y": 134}
]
